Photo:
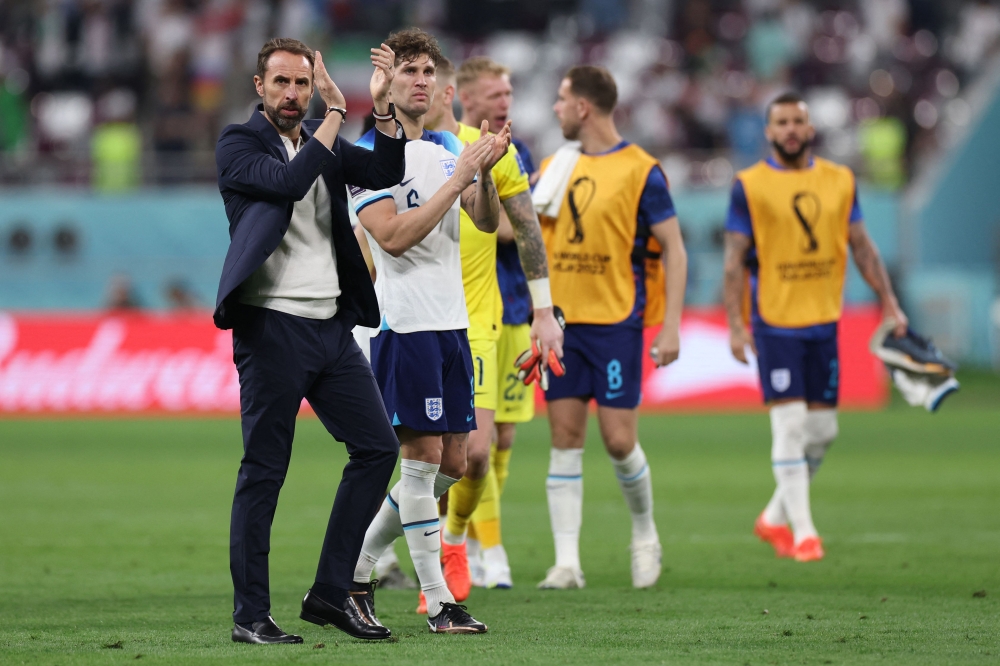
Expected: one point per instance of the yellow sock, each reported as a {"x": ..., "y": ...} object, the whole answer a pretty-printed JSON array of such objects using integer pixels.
[
  {"x": 463, "y": 498},
  {"x": 500, "y": 462},
  {"x": 486, "y": 518}
]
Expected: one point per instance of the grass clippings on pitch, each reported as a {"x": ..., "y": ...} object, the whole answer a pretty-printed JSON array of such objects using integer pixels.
[{"x": 114, "y": 548}]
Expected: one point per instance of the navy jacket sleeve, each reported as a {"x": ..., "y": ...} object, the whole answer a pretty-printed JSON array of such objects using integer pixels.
[
  {"x": 375, "y": 169},
  {"x": 244, "y": 167}
]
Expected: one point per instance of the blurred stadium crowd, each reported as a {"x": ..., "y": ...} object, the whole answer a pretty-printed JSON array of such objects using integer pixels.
[{"x": 119, "y": 93}]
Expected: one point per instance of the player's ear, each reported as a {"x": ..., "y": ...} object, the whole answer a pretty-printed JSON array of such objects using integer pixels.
[{"x": 258, "y": 83}]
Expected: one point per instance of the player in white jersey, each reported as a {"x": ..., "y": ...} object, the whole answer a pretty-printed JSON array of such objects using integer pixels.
[{"x": 421, "y": 355}]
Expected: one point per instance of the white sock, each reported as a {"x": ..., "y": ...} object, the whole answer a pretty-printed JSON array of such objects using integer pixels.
[
  {"x": 442, "y": 483},
  {"x": 418, "y": 512},
  {"x": 385, "y": 528},
  {"x": 788, "y": 429},
  {"x": 564, "y": 488},
  {"x": 821, "y": 430},
  {"x": 388, "y": 561},
  {"x": 637, "y": 487},
  {"x": 774, "y": 512},
  {"x": 376, "y": 553}
]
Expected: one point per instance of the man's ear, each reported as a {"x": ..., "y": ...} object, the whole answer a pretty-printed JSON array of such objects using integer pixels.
[
  {"x": 583, "y": 108},
  {"x": 259, "y": 85},
  {"x": 449, "y": 94}
]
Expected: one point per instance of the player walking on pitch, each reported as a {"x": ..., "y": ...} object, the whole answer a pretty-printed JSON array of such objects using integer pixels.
[
  {"x": 791, "y": 220},
  {"x": 606, "y": 212},
  {"x": 485, "y": 306},
  {"x": 421, "y": 355}
]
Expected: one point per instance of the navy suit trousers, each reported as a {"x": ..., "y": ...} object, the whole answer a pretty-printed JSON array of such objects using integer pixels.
[{"x": 282, "y": 359}]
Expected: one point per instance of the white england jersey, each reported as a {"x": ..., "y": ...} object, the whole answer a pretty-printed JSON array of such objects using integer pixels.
[{"x": 422, "y": 289}]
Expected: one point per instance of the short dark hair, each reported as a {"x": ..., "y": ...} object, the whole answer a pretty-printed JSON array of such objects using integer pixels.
[
  {"x": 790, "y": 97},
  {"x": 411, "y": 43},
  {"x": 594, "y": 84},
  {"x": 288, "y": 44}
]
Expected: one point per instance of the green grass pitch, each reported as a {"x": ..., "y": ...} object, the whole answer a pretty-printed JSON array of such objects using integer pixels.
[{"x": 114, "y": 535}]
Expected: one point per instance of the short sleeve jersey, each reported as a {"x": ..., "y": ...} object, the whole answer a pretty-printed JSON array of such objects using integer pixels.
[
  {"x": 421, "y": 290},
  {"x": 513, "y": 283},
  {"x": 479, "y": 249},
  {"x": 738, "y": 220}
]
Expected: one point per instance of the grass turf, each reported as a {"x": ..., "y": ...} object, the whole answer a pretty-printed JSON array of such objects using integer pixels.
[{"x": 113, "y": 547}]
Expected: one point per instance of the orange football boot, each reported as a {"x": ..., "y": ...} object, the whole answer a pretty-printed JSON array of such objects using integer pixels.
[
  {"x": 810, "y": 550},
  {"x": 456, "y": 570},
  {"x": 422, "y": 604},
  {"x": 779, "y": 536}
]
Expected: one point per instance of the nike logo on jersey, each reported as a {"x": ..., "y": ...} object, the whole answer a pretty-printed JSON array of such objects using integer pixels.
[
  {"x": 405, "y": 182},
  {"x": 611, "y": 396},
  {"x": 469, "y": 418},
  {"x": 430, "y": 533}
]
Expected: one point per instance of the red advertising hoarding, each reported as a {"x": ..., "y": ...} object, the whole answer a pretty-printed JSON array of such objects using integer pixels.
[{"x": 182, "y": 364}]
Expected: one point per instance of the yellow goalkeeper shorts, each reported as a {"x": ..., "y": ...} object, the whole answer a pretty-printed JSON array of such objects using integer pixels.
[
  {"x": 484, "y": 373},
  {"x": 516, "y": 402}
]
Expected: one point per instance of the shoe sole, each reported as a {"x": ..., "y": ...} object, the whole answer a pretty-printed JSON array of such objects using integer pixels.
[{"x": 457, "y": 630}]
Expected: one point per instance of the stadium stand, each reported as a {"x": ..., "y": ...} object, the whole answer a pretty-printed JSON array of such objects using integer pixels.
[{"x": 114, "y": 97}]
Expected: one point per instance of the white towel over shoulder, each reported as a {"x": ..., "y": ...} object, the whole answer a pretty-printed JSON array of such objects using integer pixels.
[{"x": 551, "y": 187}]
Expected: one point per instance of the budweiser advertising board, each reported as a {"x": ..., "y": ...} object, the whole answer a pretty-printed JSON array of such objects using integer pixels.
[{"x": 182, "y": 364}]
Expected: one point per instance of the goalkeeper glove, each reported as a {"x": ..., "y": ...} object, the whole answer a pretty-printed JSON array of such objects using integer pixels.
[{"x": 529, "y": 363}]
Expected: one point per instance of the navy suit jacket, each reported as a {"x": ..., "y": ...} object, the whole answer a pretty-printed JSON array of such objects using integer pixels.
[{"x": 260, "y": 186}]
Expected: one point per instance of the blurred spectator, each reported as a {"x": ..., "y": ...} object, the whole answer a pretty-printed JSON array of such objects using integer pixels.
[
  {"x": 180, "y": 297},
  {"x": 122, "y": 295},
  {"x": 116, "y": 146},
  {"x": 693, "y": 76}
]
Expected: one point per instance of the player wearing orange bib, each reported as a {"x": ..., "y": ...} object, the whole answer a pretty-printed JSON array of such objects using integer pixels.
[
  {"x": 791, "y": 220},
  {"x": 607, "y": 217}
]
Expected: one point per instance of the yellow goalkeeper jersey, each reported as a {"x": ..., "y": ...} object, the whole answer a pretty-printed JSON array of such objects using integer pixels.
[{"x": 479, "y": 249}]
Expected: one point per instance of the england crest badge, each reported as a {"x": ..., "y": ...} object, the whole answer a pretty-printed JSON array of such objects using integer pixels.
[
  {"x": 434, "y": 408},
  {"x": 781, "y": 379},
  {"x": 448, "y": 166}
]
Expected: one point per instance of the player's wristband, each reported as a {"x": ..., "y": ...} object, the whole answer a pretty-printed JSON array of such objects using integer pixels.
[
  {"x": 541, "y": 295},
  {"x": 391, "y": 115},
  {"x": 337, "y": 109}
]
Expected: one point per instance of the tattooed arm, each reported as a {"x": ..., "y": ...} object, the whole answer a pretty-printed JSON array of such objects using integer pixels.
[
  {"x": 527, "y": 235},
  {"x": 733, "y": 280},
  {"x": 531, "y": 250},
  {"x": 870, "y": 265},
  {"x": 481, "y": 202}
]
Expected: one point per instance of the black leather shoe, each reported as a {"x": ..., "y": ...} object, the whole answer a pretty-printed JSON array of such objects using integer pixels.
[
  {"x": 351, "y": 619},
  {"x": 364, "y": 595},
  {"x": 265, "y": 632}
]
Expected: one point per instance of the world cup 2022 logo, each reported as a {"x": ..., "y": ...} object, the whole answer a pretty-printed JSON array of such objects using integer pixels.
[
  {"x": 806, "y": 207},
  {"x": 581, "y": 193}
]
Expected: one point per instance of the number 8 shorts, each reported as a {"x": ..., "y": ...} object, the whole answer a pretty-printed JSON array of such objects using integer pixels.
[{"x": 603, "y": 362}]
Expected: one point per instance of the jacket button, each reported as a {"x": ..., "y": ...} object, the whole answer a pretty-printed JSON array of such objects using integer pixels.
[{"x": 323, "y": 163}]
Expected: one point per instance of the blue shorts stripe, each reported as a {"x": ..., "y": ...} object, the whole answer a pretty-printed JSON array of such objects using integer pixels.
[
  {"x": 561, "y": 477},
  {"x": 788, "y": 463},
  {"x": 421, "y": 524},
  {"x": 634, "y": 476},
  {"x": 392, "y": 503}
]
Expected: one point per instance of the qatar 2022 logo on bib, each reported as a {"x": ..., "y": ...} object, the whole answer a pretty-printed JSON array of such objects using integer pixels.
[{"x": 807, "y": 209}]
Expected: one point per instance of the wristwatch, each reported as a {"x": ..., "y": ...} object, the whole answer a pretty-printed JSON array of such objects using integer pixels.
[
  {"x": 341, "y": 111},
  {"x": 389, "y": 116}
]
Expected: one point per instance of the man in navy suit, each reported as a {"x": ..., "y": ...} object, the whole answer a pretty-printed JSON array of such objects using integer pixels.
[{"x": 293, "y": 286}]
